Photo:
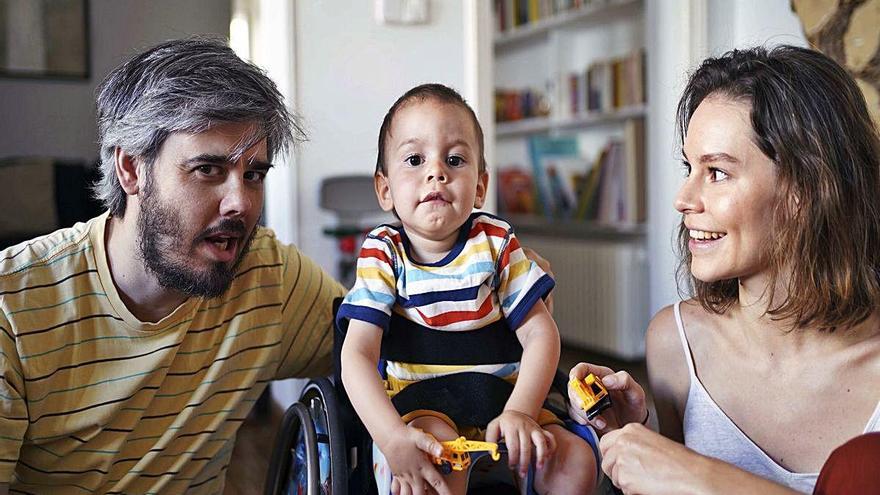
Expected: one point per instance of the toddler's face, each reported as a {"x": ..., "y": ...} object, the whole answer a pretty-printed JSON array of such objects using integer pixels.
[{"x": 432, "y": 160}]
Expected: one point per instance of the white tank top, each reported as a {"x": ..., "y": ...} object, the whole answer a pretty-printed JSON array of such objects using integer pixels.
[{"x": 710, "y": 432}]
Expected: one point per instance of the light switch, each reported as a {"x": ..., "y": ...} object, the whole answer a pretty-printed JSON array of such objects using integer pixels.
[{"x": 402, "y": 11}]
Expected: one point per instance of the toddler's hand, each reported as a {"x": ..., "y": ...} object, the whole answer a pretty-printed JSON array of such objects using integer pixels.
[
  {"x": 412, "y": 470},
  {"x": 520, "y": 432}
]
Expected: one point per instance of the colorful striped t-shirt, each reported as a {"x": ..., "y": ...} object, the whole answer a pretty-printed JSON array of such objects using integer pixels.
[{"x": 485, "y": 277}]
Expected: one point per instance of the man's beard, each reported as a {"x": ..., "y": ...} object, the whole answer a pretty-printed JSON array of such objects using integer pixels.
[{"x": 162, "y": 248}]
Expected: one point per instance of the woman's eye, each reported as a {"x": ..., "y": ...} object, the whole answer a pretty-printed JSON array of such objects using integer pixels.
[
  {"x": 414, "y": 160},
  {"x": 717, "y": 174},
  {"x": 455, "y": 161}
]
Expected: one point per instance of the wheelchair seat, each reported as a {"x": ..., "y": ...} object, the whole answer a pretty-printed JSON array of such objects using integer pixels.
[{"x": 323, "y": 448}]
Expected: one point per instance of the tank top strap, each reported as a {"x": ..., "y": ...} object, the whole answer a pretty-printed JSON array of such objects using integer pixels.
[{"x": 688, "y": 357}]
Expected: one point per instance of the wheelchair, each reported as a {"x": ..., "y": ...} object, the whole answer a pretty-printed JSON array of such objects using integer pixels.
[{"x": 322, "y": 447}]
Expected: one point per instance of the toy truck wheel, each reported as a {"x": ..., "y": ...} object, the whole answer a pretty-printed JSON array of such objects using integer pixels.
[{"x": 445, "y": 467}]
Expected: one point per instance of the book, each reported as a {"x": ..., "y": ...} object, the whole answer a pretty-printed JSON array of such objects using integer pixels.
[
  {"x": 516, "y": 191},
  {"x": 543, "y": 150}
]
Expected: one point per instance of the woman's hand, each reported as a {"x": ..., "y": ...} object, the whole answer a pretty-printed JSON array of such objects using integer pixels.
[
  {"x": 628, "y": 404},
  {"x": 639, "y": 460}
]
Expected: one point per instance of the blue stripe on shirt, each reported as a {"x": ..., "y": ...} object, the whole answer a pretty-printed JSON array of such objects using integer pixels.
[{"x": 467, "y": 294}]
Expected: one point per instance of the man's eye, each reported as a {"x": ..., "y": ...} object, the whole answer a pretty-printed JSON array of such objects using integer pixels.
[
  {"x": 255, "y": 176},
  {"x": 208, "y": 169},
  {"x": 414, "y": 160},
  {"x": 455, "y": 161}
]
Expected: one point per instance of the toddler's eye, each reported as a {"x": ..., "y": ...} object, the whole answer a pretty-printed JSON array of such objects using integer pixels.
[
  {"x": 414, "y": 160},
  {"x": 455, "y": 161}
]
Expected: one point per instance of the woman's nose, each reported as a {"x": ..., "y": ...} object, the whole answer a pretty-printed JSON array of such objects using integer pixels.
[{"x": 688, "y": 198}]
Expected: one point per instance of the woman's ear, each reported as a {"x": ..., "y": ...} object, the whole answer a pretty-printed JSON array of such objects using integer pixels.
[
  {"x": 383, "y": 191},
  {"x": 127, "y": 171},
  {"x": 482, "y": 187}
]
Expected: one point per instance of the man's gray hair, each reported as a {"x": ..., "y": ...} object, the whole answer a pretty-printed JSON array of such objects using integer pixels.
[{"x": 190, "y": 85}]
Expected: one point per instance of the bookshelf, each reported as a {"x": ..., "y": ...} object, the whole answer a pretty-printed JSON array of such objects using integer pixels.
[{"x": 570, "y": 80}]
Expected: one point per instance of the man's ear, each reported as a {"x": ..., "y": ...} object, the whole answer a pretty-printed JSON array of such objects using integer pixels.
[
  {"x": 482, "y": 187},
  {"x": 383, "y": 191},
  {"x": 127, "y": 171}
]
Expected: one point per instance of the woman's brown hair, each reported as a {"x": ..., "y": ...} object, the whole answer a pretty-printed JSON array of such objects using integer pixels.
[{"x": 810, "y": 118}]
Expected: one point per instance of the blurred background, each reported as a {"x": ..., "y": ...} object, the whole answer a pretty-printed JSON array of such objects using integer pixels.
[{"x": 576, "y": 98}]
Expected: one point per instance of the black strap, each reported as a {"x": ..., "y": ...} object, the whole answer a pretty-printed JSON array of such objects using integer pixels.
[
  {"x": 468, "y": 398},
  {"x": 408, "y": 342}
]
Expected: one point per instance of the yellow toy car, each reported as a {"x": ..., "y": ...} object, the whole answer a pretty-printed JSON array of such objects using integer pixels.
[
  {"x": 455, "y": 454},
  {"x": 592, "y": 393}
]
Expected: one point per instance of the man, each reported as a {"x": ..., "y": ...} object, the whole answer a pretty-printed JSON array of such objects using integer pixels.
[{"x": 133, "y": 346}]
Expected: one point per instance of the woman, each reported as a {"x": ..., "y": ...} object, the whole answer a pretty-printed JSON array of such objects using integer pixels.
[{"x": 775, "y": 361}]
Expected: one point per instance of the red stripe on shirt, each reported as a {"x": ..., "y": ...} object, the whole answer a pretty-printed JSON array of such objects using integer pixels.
[
  {"x": 375, "y": 253},
  {"x": 444, "y": 319}
]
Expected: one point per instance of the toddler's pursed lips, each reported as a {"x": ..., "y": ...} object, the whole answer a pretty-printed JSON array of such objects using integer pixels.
[{"x": 436, "y": 195}]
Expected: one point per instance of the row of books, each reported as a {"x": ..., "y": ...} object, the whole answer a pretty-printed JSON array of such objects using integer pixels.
[
  {"x": 510, "y": 14},
  {"x": 562, "y": 183},
  {"x": 512, "y": 104},
  {"x": 606, "y": 85}
]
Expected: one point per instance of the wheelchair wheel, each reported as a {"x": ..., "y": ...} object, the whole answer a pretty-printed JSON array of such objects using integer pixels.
[
  {"x": 293, "y": 467},
  {"x": 319, "y": 396}
]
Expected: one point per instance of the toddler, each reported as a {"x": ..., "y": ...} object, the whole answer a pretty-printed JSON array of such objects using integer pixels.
[{"x": 449, "y": 268}]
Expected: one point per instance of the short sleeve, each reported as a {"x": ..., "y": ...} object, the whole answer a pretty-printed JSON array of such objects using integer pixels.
[
  {"x": 307, "y": 294},
  {"x": 13, "y": 407},
  {"x": 521, "y": 282},
  {"x": 375, "y": 289}
]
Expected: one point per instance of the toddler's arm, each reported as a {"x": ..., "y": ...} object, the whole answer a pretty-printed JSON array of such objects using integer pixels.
[
  {"x": 517, "y": 424},
  {"x": 403, "y": 446}
]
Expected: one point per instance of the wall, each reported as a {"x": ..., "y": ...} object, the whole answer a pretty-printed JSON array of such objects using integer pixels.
[
  {"x": 349, "y": 70},
  {"x": 57, "y": 118}
]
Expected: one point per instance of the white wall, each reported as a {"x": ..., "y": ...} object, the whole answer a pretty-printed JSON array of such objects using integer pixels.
[
  {"x": 57, "y": 118},
  {"x": 744, "y": 23},
  {"x": 680, "y": 34},
  {"x": 349, "y": 70}
]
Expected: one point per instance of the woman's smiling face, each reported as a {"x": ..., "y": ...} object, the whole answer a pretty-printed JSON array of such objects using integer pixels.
[{"x": 729, "y": 194}]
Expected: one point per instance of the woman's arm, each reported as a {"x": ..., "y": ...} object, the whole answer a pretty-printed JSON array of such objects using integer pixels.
[{"x": 639, "y": 460}]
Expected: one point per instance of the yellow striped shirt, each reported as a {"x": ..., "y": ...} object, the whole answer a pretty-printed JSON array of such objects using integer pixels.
[{"x": 93, "y": 400}]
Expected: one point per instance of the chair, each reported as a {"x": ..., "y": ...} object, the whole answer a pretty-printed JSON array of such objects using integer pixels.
[{"x": 323, "y": 447}]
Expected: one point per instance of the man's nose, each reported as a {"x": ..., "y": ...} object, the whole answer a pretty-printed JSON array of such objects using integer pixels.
[{"x": 237, "y": 198}]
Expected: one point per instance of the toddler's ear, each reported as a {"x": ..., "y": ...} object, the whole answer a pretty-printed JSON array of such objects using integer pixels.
[
  {"x": 482, "y": 187},
  {"x": 383, "y": 192}
]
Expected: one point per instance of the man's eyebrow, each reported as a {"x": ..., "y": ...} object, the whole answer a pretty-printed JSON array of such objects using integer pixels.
[{"x": 225, "y": 160}]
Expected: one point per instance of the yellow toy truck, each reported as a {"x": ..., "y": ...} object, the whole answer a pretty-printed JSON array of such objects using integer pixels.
[
  {"x": 592, "y": 393},
  {"x": 455, "y": 454}
]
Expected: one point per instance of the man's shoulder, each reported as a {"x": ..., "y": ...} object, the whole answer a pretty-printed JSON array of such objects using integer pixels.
[{"x": 41, "y": 251}]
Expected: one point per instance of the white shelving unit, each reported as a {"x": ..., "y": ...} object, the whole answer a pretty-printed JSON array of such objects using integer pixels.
[{"x": 601, "y": 269}]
